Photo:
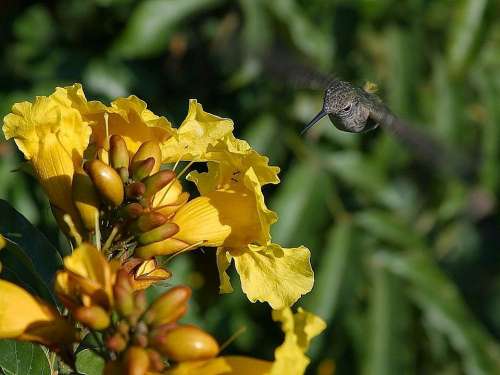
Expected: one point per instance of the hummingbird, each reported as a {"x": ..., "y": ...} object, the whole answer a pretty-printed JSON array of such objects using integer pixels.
[{"x": 353, "y": 109}]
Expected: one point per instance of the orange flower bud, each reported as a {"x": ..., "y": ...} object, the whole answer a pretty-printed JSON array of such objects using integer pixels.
[
  {"x": 86, "y": 199},
  {"x": 131, "y": 211},
  {"x": 123, "y": 293},
  {"x": 118, "y": 153},
  {"x": 145, "y": 151},
  {"x": 116, "y": 343},
  {"x": 94, "y": 317},
  {"x": 169, "y": 307},
  {"x": 150, "y": 221},
  {"x": 182, "y": 343},
  {"x": 142, "y": 169},
  {"x": 135, "y": 361},
  {"x": 107, "y": 181},
  {"x": 135, "y": 190},
  {"x": 158, "y": 234},
  {"x": 155, "y": 361},
  {"x": 157, "y": 181}
]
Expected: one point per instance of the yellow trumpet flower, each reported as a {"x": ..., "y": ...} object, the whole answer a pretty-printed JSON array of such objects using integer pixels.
[
  {"x": 299, "y": 328},
  {"x": 24, "y": 317},
  {"x": 53, "y": 136}
]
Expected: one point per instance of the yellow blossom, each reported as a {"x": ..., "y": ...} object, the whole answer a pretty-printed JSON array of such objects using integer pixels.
[
  {"x": 25, "y": 317},
  {"x": 128, "y": 117},
  {"x": 299, "y": 328},
  {"x": 197, "y": 134},
  {"x": 87, "y": 279},
  {"x": 268, "y": 272},
  {"x": 53, "y": 136}
]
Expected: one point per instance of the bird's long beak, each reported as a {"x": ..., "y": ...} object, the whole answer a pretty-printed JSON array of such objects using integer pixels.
[{"x": 316, "y": 118}]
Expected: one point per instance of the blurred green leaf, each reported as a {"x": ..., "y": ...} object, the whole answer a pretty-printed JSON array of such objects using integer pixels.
[
  {"x": 389, "y": 348},
  {"x": 330, "y": 272},
  {"x": 440, "y": 300},
  {"x": 465, "y": 33},
  {"x": 387, "y": 227},
  {"x": 109, "y": 78},
  {"x": 301, "y": 204},
  {"x": 151, "y": 24},
  {"x": 89, "y": 363},
  {"x": 306, "y": 35},
  {"x": 23, "y": 358},
  {"x": 29, "y": 246}
]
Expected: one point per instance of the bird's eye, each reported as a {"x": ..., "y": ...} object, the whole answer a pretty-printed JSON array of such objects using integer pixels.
[{"x": 347, "y": 108}]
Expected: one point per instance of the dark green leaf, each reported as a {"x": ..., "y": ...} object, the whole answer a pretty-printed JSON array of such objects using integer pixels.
[
  {"x": 89, "y": 363},
  {"x": 29, "y": 250},
  {"x": 445, "y": 310},
  {"x": 151, "y": 24},
  {"x": 23, "y": 358}
]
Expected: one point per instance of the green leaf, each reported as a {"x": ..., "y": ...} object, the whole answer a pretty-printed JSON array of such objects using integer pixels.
[
  {"x": 29, "y": 256},
  {"x": 389, "y": 348},
  {"x": 152, "y": 23},
  {"x": 301, "y": 203},
  {"x": 466, "y": 32},
  {"x": 89, "y": 363},
  {"x": 330, "y": 272},
  {"x": 23, "y": 358},
  {"x": 445, "y": 309},
  {"x": 386, "y": 227}
]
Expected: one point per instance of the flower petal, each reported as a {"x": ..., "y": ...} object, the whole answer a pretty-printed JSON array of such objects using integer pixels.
[
  {"x": 200, "y": 221},
  {"x": 299, "y": 329},
  {"x": 19, "y": 310},
  {"x": 197, "y": 133},
  {"x": 223, "y": 263},
  {"x": 227, "y": 365},
  {"x": 52, "y": 135},
  {"x": 278, "y": 276}
]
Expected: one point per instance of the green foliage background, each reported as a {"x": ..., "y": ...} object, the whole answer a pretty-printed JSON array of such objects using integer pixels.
[{"x": 407, "y": 258}]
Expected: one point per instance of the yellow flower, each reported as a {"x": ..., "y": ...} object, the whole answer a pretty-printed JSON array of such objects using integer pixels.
[
  {"x": 25, "y": 317},
  {"x": 268, "y": 272},
  {"x": 53, "y": 136},
  {"x": 290, "y": 358},
  {"x": 87, "y": 279},
  {"x": 128, "y": 117},
  {"x": 3, "y": 243},
  {"x": 145, "y": 273},
  {"x": 197, "y": 134}
]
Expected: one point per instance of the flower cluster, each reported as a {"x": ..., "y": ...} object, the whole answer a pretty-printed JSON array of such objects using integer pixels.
[
  {"x": 111, "y": 172},
  {"x": 117, "y": 178}
]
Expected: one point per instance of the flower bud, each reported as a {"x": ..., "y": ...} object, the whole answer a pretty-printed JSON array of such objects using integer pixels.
[
  {"x": 130, "y": 211},
  {"x": 124, "y": 175},
  {"x": 158, "y": 234},
  {"x": 106, "y": 180},
  {"x": 142, "y": 169},
  {"x": 165, "y": 247},
  {"x": 86, "y": 199},
  {"x": 155, "y": 361},
  {"x": 147, "y": 150},
  {"x": 157, "y": 181},
  {"x": 123, "y": 294},
  {"x": 182, "y": 343},
  {"x": 140, "y": 302},
  {"x": 118, "y": 153},
  {"x": 135, "y": 361},
  {"x": 135, "y": 190},
  {"x": 116, "y": 343},
  {"x": 94, "y": 317},
  {"x": 169, "y": 307},
  {"x": 149, "y": 221}
]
